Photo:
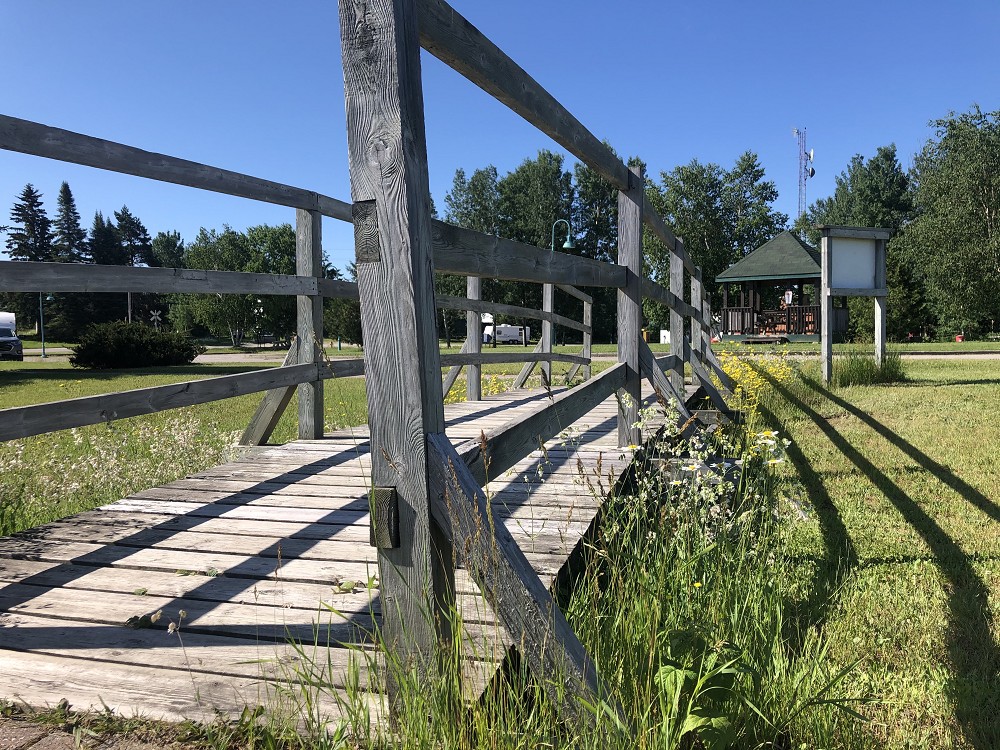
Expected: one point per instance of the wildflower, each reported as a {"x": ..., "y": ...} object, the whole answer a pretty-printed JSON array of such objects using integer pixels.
[{"x": 697, "y": 584}]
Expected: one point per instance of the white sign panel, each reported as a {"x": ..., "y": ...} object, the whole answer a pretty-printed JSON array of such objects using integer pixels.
[{"x": 852, "y": 263}]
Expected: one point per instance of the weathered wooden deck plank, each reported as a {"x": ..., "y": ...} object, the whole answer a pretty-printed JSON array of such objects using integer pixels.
[{"x": 256, "y": 551}]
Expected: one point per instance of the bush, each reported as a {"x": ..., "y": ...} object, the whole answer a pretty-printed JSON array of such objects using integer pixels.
[{"x": 120, "y": 345}]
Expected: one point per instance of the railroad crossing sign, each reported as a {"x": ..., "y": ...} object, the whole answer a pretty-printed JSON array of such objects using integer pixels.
[{"x": 154, "y": 318}]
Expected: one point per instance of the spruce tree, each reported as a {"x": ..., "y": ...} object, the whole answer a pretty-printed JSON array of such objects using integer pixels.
[
  {"x": 104, "y": 247},
  {"x": 70, "y": 243},
  {"x": 136, "y": 245},
  {"x": 30, "y": 236}
]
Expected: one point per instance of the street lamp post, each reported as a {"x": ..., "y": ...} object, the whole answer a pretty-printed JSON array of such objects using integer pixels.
[{"x": 548, "y": 294}]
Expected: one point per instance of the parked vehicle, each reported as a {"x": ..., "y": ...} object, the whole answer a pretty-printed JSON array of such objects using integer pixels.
[
  {"x": 506, "y": 334},
  {"x": 10, "y": 345},
  {"x": 8, "y": 320}
]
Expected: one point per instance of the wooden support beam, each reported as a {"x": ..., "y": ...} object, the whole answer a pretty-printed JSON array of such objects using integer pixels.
[
  {"x": 474, "y": 340},
  {"x": 630, "y": 203},
  {"x": 309, "y": 314},
  {"x": 651, "y": 290},
  {"x": 470, "y": 253},
  {"x": 509, "y": 443},
  {"x": 572, "y": 291},
  {"x": 453, "y": 373},
  {"x": 272, "y": 406},
  {"x": 539, "y": 629},
  {"x": 532, "y": 357},
  {"x": 25, "y": 276},
  {"x": 529, "y": 367},
  {"x": 677, "y": 321},
  {"x": 461, "y": 303},
  {"x": 389, "y": 187},
  {"x": 588, "y": 337},
  {"x": 662, "y": 385},
  {"x": 64, "y": 145},
  {"x": 24, "y": 421},
  {"x": 548, "y": 298}
]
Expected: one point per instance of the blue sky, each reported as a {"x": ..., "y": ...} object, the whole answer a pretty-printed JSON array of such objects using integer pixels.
[{"x": 257, "y": 87}]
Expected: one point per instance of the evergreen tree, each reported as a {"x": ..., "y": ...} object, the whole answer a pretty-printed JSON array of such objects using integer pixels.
[
  {"x": 70, "y": 242},
  {"x": 30, "y": 236},
  {"x": 136, "y": 246},
  {"x": 105, "y": 249}
]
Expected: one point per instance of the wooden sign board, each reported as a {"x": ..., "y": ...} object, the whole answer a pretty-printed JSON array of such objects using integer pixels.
[{"x": 853, "y": 265}]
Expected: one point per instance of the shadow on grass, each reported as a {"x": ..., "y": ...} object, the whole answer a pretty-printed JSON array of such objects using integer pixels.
[{"x": 974, "y": 653}]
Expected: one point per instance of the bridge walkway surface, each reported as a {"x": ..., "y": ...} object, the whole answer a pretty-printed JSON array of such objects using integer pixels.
[{"x": 259, "y": 554}]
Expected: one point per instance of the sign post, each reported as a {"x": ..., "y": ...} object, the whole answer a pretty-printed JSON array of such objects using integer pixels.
[{"x": 852, "y": 262}]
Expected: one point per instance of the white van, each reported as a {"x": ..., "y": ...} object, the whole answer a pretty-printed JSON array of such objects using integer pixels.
[{"x": 506, "y": 334}]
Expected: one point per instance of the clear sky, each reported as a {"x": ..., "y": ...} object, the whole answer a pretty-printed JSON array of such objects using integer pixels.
[{"x": 257, "y": 87}]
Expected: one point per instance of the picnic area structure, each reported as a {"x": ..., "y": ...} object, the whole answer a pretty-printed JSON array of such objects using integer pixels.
[
  {"x": 783, "y": 273},
  {"x": 263, "y": 543}
]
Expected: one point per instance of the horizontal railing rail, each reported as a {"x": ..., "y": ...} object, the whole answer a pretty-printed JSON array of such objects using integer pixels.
[
  {"x": 25, "y": 421},
  {"x": 26, "y": 276}
]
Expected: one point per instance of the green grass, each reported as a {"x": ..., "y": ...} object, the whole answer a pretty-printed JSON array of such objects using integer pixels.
[{"x": 899, "y": 558}]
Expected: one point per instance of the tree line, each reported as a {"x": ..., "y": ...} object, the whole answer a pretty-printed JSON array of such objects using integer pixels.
[
  {"x": 122, "y": 239},
  {"x": 943, "y": 259}
]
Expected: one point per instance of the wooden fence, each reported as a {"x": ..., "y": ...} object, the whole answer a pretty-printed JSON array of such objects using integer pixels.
[{"x": 422, "y": 486}]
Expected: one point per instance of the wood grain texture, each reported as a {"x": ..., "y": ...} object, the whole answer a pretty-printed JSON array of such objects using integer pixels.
[
  {"x": 309, "y": 320},
  {"x": 388, "y": 164},
  {"x": 630, "y": 203},
  {"x": 461, "y": 303},
  {"x": 457, "y": 43},
  {"x": 677, "y": 337},
  {"x": 470, "y": 253},
  {"x": 522, "y": 602},
  {"x": 662, "y": 385},
  {"x": 55, "y": 143},
  {"x": 512, "y": 441},
  {"x": 485, "y": 358},
  {"x": 474, "y": 339},
  {"x": 24, "y": 276},
  {"x": 652, "y": 290},
  {"x": 548, "y": 300},
  {"x": 23, "y": 421},
  {"x": 272, "y": 406}
]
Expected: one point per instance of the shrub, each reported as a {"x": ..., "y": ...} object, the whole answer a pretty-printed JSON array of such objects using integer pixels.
[{"x": 120, "y": 345}]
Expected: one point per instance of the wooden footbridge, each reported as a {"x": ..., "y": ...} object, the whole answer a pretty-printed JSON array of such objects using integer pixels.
[{"x": 342, "y": 551}]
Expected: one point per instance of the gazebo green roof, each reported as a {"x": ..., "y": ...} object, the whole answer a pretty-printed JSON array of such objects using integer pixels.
[{"x": 784, "y": 257}]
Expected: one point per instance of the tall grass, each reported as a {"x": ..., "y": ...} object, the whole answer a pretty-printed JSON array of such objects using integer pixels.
[
  {"x": 858, "y": 367},
  {"x": 683, "y": 604}
]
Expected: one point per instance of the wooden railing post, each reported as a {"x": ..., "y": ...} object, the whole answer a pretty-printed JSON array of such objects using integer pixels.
[
  {"x": 309, "y": 310},
  {"x": 630, "y": 305},
  {"x": 697, "y": 337},
  {"x": 588, "y": 337},
  {"x": 676, "y": 370},
  {"x": 548, "y": 293},
  {"x": 392, "y": 231},
  {"x": 474, "y": 341}
]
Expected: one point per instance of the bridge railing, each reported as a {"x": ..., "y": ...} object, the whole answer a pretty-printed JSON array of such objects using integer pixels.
[{"x": 430, "y": 490}]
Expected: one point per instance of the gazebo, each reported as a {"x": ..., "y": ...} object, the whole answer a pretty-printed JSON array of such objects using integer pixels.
[{"x": 784, "y": 273}]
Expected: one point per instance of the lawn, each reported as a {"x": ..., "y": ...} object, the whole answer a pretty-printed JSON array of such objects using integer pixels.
[{"x": 899, "y": 552}]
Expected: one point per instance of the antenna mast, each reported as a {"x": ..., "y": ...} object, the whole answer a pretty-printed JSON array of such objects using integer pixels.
[{"x": 805, "y": 169}]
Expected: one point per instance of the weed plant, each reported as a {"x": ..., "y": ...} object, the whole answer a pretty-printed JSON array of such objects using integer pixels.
[
  {"x": 858, "y": 367},
  {"x": 683, "y": 604}
]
